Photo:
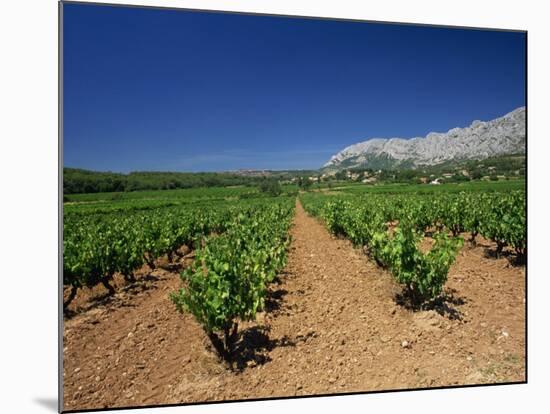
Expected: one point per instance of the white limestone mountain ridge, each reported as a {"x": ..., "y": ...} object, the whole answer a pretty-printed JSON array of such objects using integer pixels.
[{"x": 500, "y": 136}]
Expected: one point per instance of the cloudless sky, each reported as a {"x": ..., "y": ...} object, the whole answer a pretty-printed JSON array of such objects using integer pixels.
[{"x": 166, "y": 90}]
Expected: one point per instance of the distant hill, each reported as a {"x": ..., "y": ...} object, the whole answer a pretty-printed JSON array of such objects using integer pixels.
[{"x": 501, "y": 136}]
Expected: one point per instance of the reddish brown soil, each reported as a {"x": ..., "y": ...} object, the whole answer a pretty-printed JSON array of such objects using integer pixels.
[
  {"x": 90, "y": 298},
  {"x": 333, "y": 325}
]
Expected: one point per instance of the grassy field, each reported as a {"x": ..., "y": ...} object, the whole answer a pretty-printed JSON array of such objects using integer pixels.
[
  {"x": 507, "y": 185},
  {"x": 93, "y": 203},
  {"x": 211, "y": 192},
  {"x": 152, "y": 199}
]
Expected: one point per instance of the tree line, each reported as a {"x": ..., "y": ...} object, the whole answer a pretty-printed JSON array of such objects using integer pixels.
[{"x": 77, "y": 181}]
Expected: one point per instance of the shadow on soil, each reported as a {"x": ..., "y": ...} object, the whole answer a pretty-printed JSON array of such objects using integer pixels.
[
  {"x": 273, "y": 301},
  {"x": 171, "y": 266},
  {"x": 254, "y": 346},
  {"x": 142, "y": 284},
  {"x": 445, "y": 304},
  {"x": 278, "y": 280},
  {"x": 513, "y": 258},
  {"x": 254, "y": 343}
]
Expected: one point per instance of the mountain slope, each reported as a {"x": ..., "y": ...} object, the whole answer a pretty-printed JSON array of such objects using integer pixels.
[{"x": 504, "y": 135}]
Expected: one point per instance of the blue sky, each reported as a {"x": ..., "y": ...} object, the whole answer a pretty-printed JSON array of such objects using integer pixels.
[{"x": 165, "y": 90}]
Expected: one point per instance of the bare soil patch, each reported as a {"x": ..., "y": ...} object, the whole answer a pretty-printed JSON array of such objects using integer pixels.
[
  {"x": 333, "y": 324},
  {"x": 89, "y": 298}
]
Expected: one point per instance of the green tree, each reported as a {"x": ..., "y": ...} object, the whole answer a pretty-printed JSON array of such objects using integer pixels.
[
  {"x": 476, "y": 175},
  {"x": 304, "y": 183},
  {"x": 271, "y": 187}
]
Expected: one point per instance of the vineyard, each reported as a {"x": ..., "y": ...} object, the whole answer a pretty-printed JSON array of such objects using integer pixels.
[
  {"x": 390, "y": 229},
  {"x": 97, "y": 245},
  {"x": 252, "y": 284}
]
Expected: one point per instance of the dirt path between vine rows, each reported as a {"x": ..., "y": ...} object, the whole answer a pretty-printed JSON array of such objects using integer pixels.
[{"x": 332, "y": 325}]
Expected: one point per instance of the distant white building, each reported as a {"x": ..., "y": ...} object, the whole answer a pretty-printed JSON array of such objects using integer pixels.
[
  {"x": 369, "y": 180},
  {"x": 435, "y": 182}
]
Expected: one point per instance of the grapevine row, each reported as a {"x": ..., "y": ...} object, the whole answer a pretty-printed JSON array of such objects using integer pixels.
[
  {"x": 228, "y": 281},
  {"x": 390, "y": 229},
  {"x": 97, "y": 246}
]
